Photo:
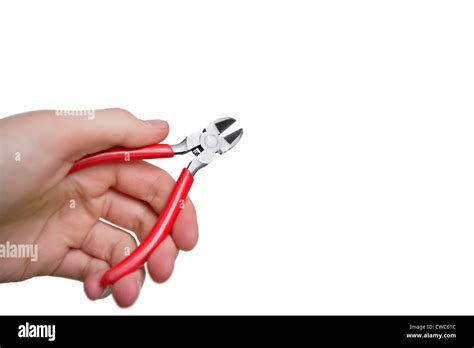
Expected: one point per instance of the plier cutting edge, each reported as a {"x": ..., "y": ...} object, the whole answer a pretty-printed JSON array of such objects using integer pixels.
[{"x": 205, "y": 146}]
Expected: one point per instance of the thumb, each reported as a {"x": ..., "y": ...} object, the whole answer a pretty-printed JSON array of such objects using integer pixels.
[{"x": 77, "y": 136}]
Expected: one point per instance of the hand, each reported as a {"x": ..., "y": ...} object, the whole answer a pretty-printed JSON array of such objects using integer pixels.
[{"x": 40, "y": 205}]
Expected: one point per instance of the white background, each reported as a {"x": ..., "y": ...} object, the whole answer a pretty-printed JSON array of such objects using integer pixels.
[{"x": 352, "y": 189}]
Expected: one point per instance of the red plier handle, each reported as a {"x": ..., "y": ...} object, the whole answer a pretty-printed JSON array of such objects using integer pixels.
[
  {"x": 205, "y": 145},
  {"x": 123, "y": 154},
  {"x": 167, "y": 216}
]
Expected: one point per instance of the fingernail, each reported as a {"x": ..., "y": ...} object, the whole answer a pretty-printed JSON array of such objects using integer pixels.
[
  {"x": 107, "y": 291},
  {"x": 158, "y": 124}
]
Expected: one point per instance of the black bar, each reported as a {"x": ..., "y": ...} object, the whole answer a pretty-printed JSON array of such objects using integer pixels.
[{"x": 288, "y": 330}]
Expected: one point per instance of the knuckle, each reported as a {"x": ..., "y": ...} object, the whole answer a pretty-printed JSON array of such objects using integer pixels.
[
  {"x": 138, "y": 222},
  {"x": 130, "y": 241},
  {"x": 129, "y": 117},
  {"x": 121, "y": 112}
]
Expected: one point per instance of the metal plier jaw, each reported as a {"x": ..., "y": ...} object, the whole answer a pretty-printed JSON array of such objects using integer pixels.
[{"x": 206, "y": 145}]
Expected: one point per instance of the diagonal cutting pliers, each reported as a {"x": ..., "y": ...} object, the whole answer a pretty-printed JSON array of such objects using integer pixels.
[{"x": 205, "y": 146}]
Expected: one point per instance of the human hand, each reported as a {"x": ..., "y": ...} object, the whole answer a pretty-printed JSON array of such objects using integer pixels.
[{"x": 41, "y": 205}]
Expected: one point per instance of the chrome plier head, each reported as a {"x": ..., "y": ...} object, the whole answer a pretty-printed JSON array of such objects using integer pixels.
[{"x": 206, "y": 145}]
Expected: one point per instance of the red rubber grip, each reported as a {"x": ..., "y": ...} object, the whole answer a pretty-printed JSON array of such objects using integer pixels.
[
  {"x": 161, "y": 229},
  {"x": 123, "y": 154}
]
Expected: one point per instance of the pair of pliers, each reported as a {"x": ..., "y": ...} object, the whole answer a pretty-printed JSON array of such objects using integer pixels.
[{"x": 205, "y": 145}]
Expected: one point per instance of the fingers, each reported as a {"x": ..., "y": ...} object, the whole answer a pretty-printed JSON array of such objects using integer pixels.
[
  {"x": 139, "y": 217},
  {"x": 128, "y": 212},
  {"x": 140, "y": 191},
  {"x": 154, "y": 185},
  {"x": 161, "y": 262},
  {"x": 108, "y": 243},
  {"x": 145, "y": 182},
  {"x": 81, "y": 266}
]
